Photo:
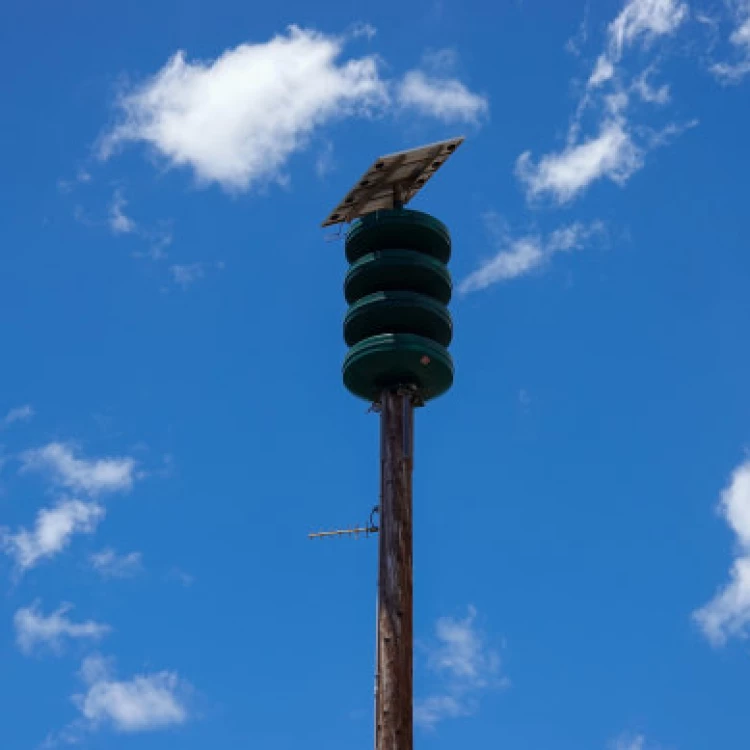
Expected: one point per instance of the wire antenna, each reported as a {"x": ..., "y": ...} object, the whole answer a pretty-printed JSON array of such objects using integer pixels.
[{"x": 371, "y": 528}]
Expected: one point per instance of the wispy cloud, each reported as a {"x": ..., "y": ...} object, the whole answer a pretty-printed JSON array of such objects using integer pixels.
[
  {"x": 640, "y": 21},
  {"x": 119, "y": 222},
  {"x": 434, "y": 90},
  {"x": 739, "y": 67},
  {"x": 52, "y": 532},
  {"x": 446, "y": 99},
  {"x": 55, "y": 526},
  {"x": 237, "y": 120},
  {"x": 440, "y": 61},
  {"x": 611, "y": 153},
  {"x": 616, "y": 149},
  {"x": 727, "y": 615},
  {"x": 363, "y": 29},
  {"x": 632, "y": 742},
  {"x": 576, "y": 42},
  {"x": 177, "y": 574},
  {"x": 34, "y": 629},
  {"x": 185, "y": 275},
  {"x": 18, "y": 414},
  {"x": 517, "y": 256},
  {"x": 158, "y": 241},
  {"x": 603, "y": 71},
  {"x": 154, "y": 240},
  {"x": 82, "y": 177},
  {"x": 648, "y": 93},
  {"x": 93, "y": 476},
  {"x": 111, "y": 565},
  {"x": 324, "y": 163},
  {"x": 628, "y": 742},
  {"x": 143, "y": 703},
  {"x": 644, "y": 20},
  {"x": 464, "y": 666},
  {"x": 428, "y": 713},
  {"x": 524, "y": 398}
]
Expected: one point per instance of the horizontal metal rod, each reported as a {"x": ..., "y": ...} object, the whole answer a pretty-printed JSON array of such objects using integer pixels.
[{"x": 343, "y": 532}]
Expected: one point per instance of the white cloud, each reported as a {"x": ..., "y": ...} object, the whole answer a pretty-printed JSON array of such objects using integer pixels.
[
  {"x": 145, "y": 702},
  {"x": 734, "y": 72},
  {"x": 612, "y": 154},
  {"x": 92, "y": 476},
  {"x": 184, "y": 579},
  {"x": 642, "y": 20},
  {"x": 603, "y": 71},
  {"x": 465, "y": 666},
  {"x": 645, "y": 20},
  {"x": 237, "y": 119},
  {"x": 522, "y": 256},
  {"x": 574, "y": 44},
  {"x": 158, "y": 240},
  {"x": 446, "y": 99},
  {"x": 52, "y": 531},
  {"x": 19, "y": 414},
  {"x": 727, "y": 615},
  {"x": 647, "y": 92},
  {"x": 363, "y": 29},
  {"x": 629, "y": 742},
  {"x": 735, "y": 504},
  {"x": 460, "y": 652},
  {"x": 741, "y": 36},
  {"x": 430, "y": 712},
  {"x": 518, "y": 256},
  {"x": 67, "y": 186},
  {"x": 667, "y": 133},
  {"x": 616, "y": 103},
  {"x": 185, "y": 275},
  {"x": 441, "y": 60},
  {"x": 324, "y": 163},
  {"x": 34, "y": 629},
  {"x": 118, "y": 221},
  {"x": 111, "y": 565}
]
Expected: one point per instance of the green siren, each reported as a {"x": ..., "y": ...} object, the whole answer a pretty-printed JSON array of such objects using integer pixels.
[{"x": 398, "y": 285}]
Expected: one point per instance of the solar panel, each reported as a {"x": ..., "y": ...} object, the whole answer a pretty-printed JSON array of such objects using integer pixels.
[{"x": 392, "y": 180}]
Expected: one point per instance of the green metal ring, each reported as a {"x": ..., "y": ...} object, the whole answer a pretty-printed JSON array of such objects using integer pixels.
[
  {"x": 398, "y": 312},
  {"x": 391, "y": 360},
  {"x": 400, "y": 228},
  {"x": 398, "y": 270}
]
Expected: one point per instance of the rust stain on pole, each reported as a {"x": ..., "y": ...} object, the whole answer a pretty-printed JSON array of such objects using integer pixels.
[{"x": 393, "y": 703}]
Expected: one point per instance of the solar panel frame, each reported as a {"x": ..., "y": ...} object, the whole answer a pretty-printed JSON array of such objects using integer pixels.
[{"x": 392, "y": 180}]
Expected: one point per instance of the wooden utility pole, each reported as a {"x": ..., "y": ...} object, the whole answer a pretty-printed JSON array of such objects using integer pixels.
[
  {"x": 393, "y": 701},
  {"x": 397, "y": 328}
]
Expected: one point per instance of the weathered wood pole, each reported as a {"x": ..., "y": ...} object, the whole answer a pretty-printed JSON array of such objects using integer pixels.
[{"x": 394, "y": 682}]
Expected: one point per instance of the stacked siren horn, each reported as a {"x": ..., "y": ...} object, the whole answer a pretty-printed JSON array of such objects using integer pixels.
[{"x": 398, "y": 287}]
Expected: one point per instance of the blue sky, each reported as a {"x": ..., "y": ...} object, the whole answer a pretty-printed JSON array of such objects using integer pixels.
[{"x": 173, "y": 423}]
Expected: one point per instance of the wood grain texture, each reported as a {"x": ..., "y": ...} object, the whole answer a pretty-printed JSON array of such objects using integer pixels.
[{"x": 393, "y": 705}]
